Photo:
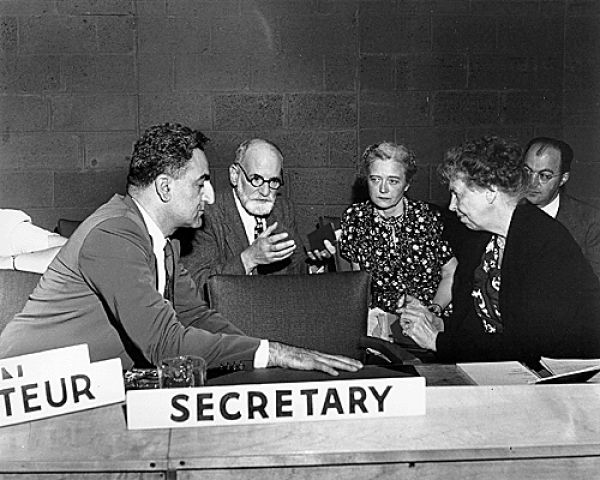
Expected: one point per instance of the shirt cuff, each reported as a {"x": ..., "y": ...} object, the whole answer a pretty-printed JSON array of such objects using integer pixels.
[{"x": 261, "y": 357}]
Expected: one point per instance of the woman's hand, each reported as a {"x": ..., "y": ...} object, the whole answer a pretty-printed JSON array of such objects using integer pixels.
[{"x": 419, "y": 323}]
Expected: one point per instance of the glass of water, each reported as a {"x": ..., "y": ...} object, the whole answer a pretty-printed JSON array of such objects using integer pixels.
[{"x": 182, "y": 371}]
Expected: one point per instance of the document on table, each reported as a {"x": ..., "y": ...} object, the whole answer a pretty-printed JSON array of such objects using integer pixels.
[
  {"x": 564, "y": 366},
  {"x": 498, "y": 373}
]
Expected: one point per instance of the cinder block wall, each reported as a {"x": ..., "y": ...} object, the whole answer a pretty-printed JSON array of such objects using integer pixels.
[{"x": 80, "y": 79}]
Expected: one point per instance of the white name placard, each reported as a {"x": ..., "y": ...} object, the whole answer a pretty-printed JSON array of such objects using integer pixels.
[
  {"x": 275, "y": 402},
  {"x": 35, "y": 364},
  {"x": 35, "y": 392}
]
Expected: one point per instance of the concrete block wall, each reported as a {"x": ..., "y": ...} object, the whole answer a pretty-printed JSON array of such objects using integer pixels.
[{"x": 80, "y": 79}]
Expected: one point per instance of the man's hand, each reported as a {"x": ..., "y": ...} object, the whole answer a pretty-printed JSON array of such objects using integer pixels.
[
  {"x": 286, "y": 356},
  {"x": 268, "y": 248}
]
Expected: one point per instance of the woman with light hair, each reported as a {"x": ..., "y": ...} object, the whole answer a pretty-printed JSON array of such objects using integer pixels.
[{"x": 397, "y": 239}]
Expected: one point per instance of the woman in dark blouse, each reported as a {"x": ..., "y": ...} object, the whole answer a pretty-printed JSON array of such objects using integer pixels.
[
  {"x": 522, "y": 288},
  {"x": 398, "y": 240}
]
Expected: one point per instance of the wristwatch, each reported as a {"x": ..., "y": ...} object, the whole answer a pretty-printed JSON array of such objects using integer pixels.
[{"x": 436, "y": 309}]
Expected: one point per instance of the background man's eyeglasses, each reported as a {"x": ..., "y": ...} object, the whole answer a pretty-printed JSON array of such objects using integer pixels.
[
  {"x": 256, "y": 180},
  {"x": 544, "y": 177}
]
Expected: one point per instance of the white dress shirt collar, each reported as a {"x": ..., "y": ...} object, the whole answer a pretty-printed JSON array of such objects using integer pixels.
[
  {"x": 158, "y": 246},
  {"x": 552, "y": 208},
  {"x": 261, "y": 356},
  {"x": 248, "y": 220}
]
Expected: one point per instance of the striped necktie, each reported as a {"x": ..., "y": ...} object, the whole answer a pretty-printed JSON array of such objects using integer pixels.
[{"x": 259, "y": 227}]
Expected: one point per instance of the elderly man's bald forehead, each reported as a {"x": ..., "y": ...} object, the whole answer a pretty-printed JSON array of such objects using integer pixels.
[
  {"x": 263, "y": 146},
  {"x": 260, "y": 149}
]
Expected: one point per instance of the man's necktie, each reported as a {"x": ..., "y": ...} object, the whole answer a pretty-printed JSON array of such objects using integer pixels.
[
  {"x": 258, "y": 228},
  {"x": 169, "y": 273}
]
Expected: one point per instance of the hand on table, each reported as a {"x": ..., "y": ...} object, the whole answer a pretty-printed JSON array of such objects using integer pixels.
[
  {"x": 286, "y": 356},
  {"x": 419, "y": 323}
]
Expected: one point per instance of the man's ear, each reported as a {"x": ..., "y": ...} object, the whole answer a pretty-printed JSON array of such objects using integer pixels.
[
  {"x": 564, "y": 179},
  {"x": 234, "y": 175},
  {"x": 162, "y": 185}
]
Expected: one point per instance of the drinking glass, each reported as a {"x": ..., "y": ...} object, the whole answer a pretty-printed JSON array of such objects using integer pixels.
[{"x": 182, "y": 371}]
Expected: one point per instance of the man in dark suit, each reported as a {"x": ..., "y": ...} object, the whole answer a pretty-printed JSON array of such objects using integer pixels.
[
  {"x": 117, "y": 284},
  {"x": 548, "y": 162},
  {"x": 251, "y": 228}
]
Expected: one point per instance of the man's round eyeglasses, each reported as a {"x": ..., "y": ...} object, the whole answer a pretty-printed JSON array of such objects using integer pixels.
[
  {"x": 257, "y": 180},
  {"x": 544, "y": 177}
]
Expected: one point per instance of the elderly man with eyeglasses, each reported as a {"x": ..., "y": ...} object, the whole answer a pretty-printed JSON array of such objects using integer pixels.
[
  {"x": 250, "y": 229},
  {"x": 548, "y": 162}
]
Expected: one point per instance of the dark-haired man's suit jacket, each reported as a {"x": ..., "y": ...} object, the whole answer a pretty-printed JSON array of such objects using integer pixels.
[
  {"x": 101, "y": 290},
  {"x": 583, "y": 222},
  {"x": 215, "y": 248}
]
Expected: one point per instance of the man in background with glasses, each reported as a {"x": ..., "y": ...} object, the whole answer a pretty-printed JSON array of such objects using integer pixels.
[
  {"x": 250, "y": 229},
  {"x": 548, "y": 163}
]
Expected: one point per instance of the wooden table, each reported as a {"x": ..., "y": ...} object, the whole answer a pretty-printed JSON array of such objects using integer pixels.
[
  {"x": 468, "y": 432},
  {"x": 549, "y": 431},
  {"x": 94, "y": 440}
]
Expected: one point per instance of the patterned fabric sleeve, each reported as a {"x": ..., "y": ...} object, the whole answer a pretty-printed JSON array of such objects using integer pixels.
[
  {"x": 348, "y": 244},
  {"x": 404, "y": 254},
  {"x": 444, "y": 250}
]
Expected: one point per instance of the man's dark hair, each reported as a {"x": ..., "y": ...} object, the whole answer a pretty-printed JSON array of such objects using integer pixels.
[
  {"x": 544, "y": 143},
  {"x": 162, "y": 149}
]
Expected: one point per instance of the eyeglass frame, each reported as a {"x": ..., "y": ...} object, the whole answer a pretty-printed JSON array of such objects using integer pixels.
[
  {"x": 259, "y": 178},
  {"x": 543, "y": 179}
]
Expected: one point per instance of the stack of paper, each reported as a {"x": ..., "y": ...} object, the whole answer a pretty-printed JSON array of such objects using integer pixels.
[
  {"x": 571, "y": 369},
  {"x": 498, "y": 373},
  {"x": 515, "y": 373}
]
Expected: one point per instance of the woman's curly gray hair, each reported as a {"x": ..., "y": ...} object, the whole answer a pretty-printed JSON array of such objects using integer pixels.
[{"x": 488, "y": 161}]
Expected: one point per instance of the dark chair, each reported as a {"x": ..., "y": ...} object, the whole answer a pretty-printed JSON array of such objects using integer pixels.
[
  {"x": 15, "y": 287},
  {"x": 66, "y": 227},
  {"x": 322, "y": 312},
  {"x": 336, "y": 263}
]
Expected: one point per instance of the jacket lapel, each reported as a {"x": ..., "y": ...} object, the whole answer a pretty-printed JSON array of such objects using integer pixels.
[
  {"x": 133, "y": 207},
  {"x": 235, "y": 237}
]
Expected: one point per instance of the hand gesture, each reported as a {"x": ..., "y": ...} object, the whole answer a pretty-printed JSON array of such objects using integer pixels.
[
  {"x": 286, "y": 356},
  {"x": 268, "y": 248}
]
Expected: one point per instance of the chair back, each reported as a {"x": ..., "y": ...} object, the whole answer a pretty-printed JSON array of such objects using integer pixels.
[
  {"x": 15, "y": 288},
  {"x": 336, "y": 263},
  {"x": 322, "y": 312},
  {"x": 66, "y": 227}
]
